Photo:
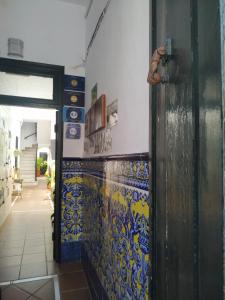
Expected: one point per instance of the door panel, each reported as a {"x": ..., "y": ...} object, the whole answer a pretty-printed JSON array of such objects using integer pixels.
[
  {"x": 174, "y": 155},
  {"x": 187, "y": 152},
  {"x": 210, "y": 152}
]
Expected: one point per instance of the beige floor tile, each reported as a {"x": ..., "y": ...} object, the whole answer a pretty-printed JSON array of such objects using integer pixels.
[
  {"x": 13, "y": 237},
  {"x": 13, "y": 244},
  {"x": 52, "y": 268},
  {"x": 33, "y": 270},
  {"x": 34, "y": 236},
  {"x": 32, "y": 286},
  {"x": 13, "y": 293},
  {"x": 49, "y": 256},
  {"x": 11, "y": 251},
  {"x": 10, "y": 261},
  {"x": 47, "y": 292},
  {"x": 34, "y": 243},
  {"x": 33, "y": 258},
  {"x": 34, "y": 249},
  {"x": 9, "y": 273}
]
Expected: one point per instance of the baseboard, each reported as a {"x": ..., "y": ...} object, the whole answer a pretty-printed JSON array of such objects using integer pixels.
[
  {"x": 71, "y": 251},
  {"x": 97, "y": 290}
]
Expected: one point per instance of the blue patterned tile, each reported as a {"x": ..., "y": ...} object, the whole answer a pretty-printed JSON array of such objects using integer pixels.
[
  {"x": 112, "y": 220},
  {"x": 71, "y": 251}
]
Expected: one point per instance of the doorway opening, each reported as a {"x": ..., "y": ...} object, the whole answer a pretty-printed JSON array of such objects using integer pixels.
[
  {"x": 38, "y": 85},
  {"x": 27, "y": 191}
]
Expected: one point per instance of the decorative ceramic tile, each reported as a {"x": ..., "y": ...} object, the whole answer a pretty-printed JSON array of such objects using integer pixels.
[
  {"x": 73, "y": 131},
  {"x": 73, "y": 114},
  {"x": 73, "y": 98},
  {"x": 72, "y": 217},
  {"x": 71, "y": 251},
  {"x": 113, "y": 220},
  {"x": 75, "y": 83},
  {"x": 117, "y": 237},
  {"x": 133, "y": 173}
]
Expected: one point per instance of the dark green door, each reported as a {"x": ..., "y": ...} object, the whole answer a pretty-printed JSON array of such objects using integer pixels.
[{"x": 187, "y": 148}]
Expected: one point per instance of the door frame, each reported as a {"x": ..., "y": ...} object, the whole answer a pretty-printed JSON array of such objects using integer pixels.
[{"x": 57, "y": 73}]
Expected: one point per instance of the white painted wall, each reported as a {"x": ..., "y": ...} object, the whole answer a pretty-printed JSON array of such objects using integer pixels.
[
  {"x": 53, "y": 31},
  {"x": 94, "y": 14},
  {"x": 118, "y": 61},
  {"x": 34, "y": 115},
  {"x": 27, "y": 129},
  {"x": 44, "y": 133},
  {"x": 72, "y": 147},
  {"x": 6, "y": 171}
]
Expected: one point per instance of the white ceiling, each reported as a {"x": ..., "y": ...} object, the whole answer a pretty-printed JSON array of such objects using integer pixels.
[{"x": 79, "y": 2}]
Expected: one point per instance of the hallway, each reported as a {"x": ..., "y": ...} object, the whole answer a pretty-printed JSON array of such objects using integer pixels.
[
  {"x": 26, "y": 248},
  {"x": 27, "y": 269},
  {"x": 120, "y": 107}
]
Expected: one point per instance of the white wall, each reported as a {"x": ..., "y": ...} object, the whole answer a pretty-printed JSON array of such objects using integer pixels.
[
  {"x": 7, "y": 123},
  {"x": 34, "y": 115},
  {"x": 73, "y": 147},
  {"x": 44, "y": 133},
  {"x": 53, "y": 31},
  {"x": 27, "y": 129},
  {"x": 118, "y": 61}
]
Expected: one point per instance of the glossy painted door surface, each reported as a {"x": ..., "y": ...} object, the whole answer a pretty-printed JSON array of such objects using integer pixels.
[
  {"x": 187, "y": 153},
  {"x": 210, "y": 151},
  {"x": 174, "y": 155}
]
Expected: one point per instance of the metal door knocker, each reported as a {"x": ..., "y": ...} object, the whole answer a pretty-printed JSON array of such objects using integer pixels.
[{"x": 161, "y": 54}]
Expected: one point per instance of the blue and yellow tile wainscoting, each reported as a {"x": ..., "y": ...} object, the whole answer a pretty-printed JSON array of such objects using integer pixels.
[
  {"x": 72, "y": 211},
  {"x": 106, "y": 222}
]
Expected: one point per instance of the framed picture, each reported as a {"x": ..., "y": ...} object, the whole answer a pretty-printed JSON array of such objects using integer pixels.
[
  {"x": 92, "y": 120},
  {"x": 94, "y": 94},
  {"x": 87, "y": 123},
  {"x": 99, "y": 113},
  {"x": 112, "y": 114},
  {"x": 95, "y": 118}
]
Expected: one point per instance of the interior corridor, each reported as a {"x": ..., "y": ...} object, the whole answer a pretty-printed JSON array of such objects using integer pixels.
[
  {"x": 26, "y": 248},
  {"x": 27, "y": 269}
]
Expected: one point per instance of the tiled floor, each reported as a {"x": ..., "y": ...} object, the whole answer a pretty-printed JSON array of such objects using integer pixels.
[
  {"x": 26, "y": 252},
  {"x": 25, "y": 238},
  {"x": 71, "y": 285},
  {"x": 72, "y": 282},
  {"x": 44, "y": 289}
]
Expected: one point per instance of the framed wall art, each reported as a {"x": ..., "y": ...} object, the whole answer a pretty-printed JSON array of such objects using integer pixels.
[
  {"x": 95, "y": 118},
  {"x": 112, "y": 114},
  {"x": 99, "y": 113},
  {"x": 94, "y": 94},
  {"x": 88, "y": 123}
]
